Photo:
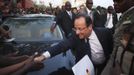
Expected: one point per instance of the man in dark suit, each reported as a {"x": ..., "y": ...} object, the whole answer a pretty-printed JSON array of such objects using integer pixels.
[
  {"x": 99, "y": 13},
  {"x": 65, "y": 19},
  {"x": 110, "y": 18},
  {"x": 89, "y": 10},
  {"x": 97, "y": 43},
  {"x": 94, "y": 14}
]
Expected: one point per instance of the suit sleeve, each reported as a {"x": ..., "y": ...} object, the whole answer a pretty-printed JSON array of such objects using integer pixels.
[{"x": 63, "y": 46}]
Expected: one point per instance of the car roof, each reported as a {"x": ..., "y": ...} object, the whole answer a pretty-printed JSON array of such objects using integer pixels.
[{"x": 37, "y": 15}]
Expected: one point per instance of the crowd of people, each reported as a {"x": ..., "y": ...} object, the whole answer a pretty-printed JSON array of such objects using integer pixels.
[
  {"x": 11, "y": 62},
  {"x": 98, "y": 33}
]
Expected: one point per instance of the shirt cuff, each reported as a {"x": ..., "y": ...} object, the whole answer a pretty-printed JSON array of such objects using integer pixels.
[{"x": 46, "y": 54}]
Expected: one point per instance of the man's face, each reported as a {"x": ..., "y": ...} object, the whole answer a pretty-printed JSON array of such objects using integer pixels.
[
  {"x": 63, "y": 7},
  {"x": 89, "y": 4},
  {"x": 110, "y": 9},
  {"x": 68, "y": 6},
  {"x": 81, "y": 28},
  {"x": 121, "y": 6}
]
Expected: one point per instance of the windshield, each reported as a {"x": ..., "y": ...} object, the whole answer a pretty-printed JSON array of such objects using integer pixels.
[{"x": 33, "y": 29}]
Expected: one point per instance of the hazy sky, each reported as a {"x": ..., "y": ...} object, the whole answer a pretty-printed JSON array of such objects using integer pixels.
[{"x": 104, "y": 3}]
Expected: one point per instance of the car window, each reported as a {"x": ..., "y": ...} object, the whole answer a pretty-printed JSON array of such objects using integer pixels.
[{"x": 33, "y": 29}]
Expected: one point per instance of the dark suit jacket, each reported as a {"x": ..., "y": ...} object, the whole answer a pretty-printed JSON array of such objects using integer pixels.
[
  {"x": 65, "y": 22},
  {"x": 98, "y": 20},
  {"x": 81, "y": 48}
]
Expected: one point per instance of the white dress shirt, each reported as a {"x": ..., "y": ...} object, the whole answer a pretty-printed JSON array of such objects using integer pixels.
[
  {"x": 97, "y": 53},
  {"x": 47, "y": 54},
  {"x": 109, "y": 21},
  {"x": 90, "y": 13},
  {"x": 69, "y": 13}
]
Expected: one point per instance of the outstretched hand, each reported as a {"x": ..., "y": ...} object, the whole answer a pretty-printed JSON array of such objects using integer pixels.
[
  {"x": 33, "y": 65},
  {"x": 39, "y": 59},
  {"x": 53, "y": 27}
]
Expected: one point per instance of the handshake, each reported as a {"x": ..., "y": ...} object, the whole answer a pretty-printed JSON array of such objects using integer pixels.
[
  {"x": 34, "y": 62},
  {"x": 39, "y": 58}
]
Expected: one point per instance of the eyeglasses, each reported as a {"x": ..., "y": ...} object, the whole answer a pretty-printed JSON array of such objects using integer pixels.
[{"x": 79, "y": 29}]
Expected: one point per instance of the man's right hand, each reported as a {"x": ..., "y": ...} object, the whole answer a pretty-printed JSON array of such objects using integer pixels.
[{"x": 39, "y": 58}]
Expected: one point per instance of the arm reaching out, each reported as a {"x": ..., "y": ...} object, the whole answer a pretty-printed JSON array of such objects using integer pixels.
[{"x": 39, "y": 58}]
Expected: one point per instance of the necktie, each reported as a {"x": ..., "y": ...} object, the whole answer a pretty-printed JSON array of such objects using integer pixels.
[
  {"x": 88, "y": 47},
  {"x": 70, "y": 14},
  {"x": 91, "y": 15},
  {"x": 84, "y": 50}
]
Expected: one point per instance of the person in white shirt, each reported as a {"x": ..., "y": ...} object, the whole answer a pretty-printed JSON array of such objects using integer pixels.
[{"x": 111, "y": 18}]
